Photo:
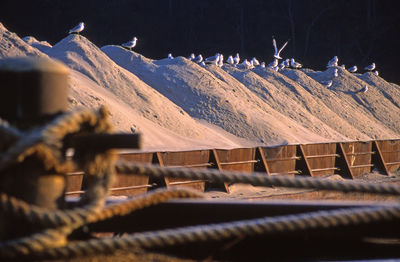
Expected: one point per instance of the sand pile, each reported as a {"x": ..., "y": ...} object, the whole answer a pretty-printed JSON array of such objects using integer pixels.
[
  {"x": 220, "y": 100},
  {"x": 179, "y": 105}
]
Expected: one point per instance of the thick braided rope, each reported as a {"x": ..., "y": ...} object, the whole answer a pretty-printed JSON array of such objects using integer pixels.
[
  {"x": 255, "y": 179},
  {"x": 50, "y": 219},
  {"x": 51, "y": 237},
  {"x": 224, "y": 231}
]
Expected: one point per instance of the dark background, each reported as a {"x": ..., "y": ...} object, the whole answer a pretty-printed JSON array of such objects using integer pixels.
[{"x": 357, "y": 31}]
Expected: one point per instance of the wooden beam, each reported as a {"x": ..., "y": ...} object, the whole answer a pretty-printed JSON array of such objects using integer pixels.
[
  {"x": 342, "y": 162},
  {"x": 378, "y": 160}
]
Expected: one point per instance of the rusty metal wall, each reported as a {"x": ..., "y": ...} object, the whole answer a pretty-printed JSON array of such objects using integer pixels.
[
  {"x": 189, "y": 159},
  {"x": 281, "y": 159},
  {"x": 359, "y": 157},
  {"x": 390, "y": 150},
  {"x": 309, "y": 159},
  {"x": 321, "y": 158}
]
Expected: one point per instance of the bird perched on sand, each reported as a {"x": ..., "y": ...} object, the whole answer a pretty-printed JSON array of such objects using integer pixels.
[
  {"x": 246, "y": 64},
  {"x": 221, "y": 60},
  {"x": 212, "y": 59},
  {"x": 353, "y": 69},
  {"x": 230, "y": 60},
  {"x": 191, "y": 57},
  {"x": 255, "y": 61},
  {"x": 333, "y": 62},
  {"x": 343, "y": 67},
  {"x": 286, "y": 63},
  {"x": 335, "y": 72},
  {"x": 295, "y": 64},
  {"x": 262, "y": 65},
  {"x": 202, "y": 63},
  {"x": 273, "y": 63},
  {"x": 198, "y": 59},
  {"x": 376, "y": 73},
  {"x": 327, "y": 83},
  {"x": 130, "y": 44},
  {"x": 236, "y": 59},
  {"x": 370, "y": 67},
  {"x": 276, "y": 51},
  {"x": 364, "y": 89},
  {"x": 170, "y": 56},
  {"x": 77, "y": 29}
]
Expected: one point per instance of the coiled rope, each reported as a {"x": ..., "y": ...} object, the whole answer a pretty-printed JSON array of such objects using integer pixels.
[{"x": 47, "y": 144}]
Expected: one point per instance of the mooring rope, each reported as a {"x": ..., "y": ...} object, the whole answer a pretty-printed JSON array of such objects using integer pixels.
[
  {"x": 50, "y": 240},
  {"x": 256, "y": 179}
]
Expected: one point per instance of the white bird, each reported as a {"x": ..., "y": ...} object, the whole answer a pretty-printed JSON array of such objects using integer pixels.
[
  {"x": 364, "y": 89},
  {"x": 255, "y": 62},
  {"x": 327, "y": 83},
  {"x": 276, "y": 68},
  {"x": 343, "y": 67},
  {"x": 221, "y": 60},
  {"x": 281, "y": 66},
  {"x": 376, "y": 72},
  {"x": 246, "y": 64},
  {"x": 353, "y": 69},
  {"x": 262, "y": 65},
  {"x": 335, "y": 72},
  {"x": 212, "y": 59},
  {"x": 130, "y": 44},
  {"x": 170, "y": 56},
  {"x": 77, "y": 29},
  {"x": 273, "y": 63},
  {"x": 287, "y": 62},
  {"x": 236, "y": 59},
  {"x": 295, "y": 64},
  {"x": 191, "y": 57},
  {"x": 202, "y": 63},
  {"x": 370, "y": 67},
  {"x": 230, "y": 60},
  {"x": 277, "y": 52},
  {"x": 333, "y": 62},
  {"x": 198, "y": 59}
]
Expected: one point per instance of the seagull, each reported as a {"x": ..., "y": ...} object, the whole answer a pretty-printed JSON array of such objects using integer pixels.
[
  {"x": 376, "y": 73},
  {"x": 230, "y": 60},
  {"x": 246, "y": 64},
  {"x": 327, "y": 83},
  {"x": 335, "y": 72},
  {"x": 202, "y": 63},
  {"x": 353, "y": 69},
  {"x": 364, "y": 89},
  {"x": 273, "y": 63},
  {"x": 77, "y": 29},
  {"x": 286, "y": 62},
  {"x": 221, "y": 60},
  {"x": 191, "y": 57},
  {"x": 370, "y": 67},
  {"x": 212, "y": 59},
  {"x": 255, "y": 62},
  {"x": 295, "y": 64},
  {"x": 281, "y": 66},
  {"x": 198, "y": 59},
  {"x": 333, "y": 62},
  {"x": 262, "y": 65},
  {"x": 277, "y": 52},
  {"x": 130, "y": 44},
  {"x": 170, "y": 56},
  {"x": 236, "y": 59},
  {"x": 343, "y": 67},
  {"x": 276, "y": 68}
]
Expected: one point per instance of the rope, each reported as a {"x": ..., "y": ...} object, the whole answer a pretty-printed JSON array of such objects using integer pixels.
[
  {"x": 255, "y": 179},
  {"x": 225, "y": 231}
]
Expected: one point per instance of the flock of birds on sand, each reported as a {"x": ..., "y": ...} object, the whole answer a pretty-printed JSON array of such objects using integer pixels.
[{"x": 218, "y": 60}]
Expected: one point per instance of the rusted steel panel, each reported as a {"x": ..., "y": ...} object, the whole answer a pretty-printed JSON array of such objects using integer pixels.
[
  {"x": 190, "y": 159},
  {"x": 128, "y": 184},
  {"x": 359, "y": 156},
  {"x": 390, "y": 150},
  {"x": 281, "y": 159},
  {"x": 239, "y": 159},
  {"x": 321, "y": 158},
  {"x": 74, "y": 182}
]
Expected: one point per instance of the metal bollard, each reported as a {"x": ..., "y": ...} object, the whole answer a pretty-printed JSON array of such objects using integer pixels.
[{"x": 32, "y": 92}]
